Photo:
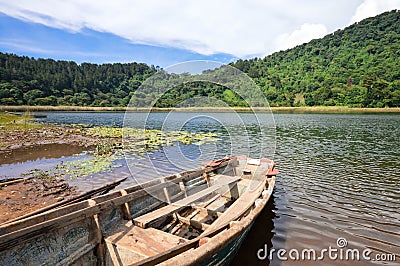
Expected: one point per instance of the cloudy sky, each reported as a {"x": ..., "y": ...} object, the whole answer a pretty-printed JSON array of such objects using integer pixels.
[{"x": 167, "y": 32}]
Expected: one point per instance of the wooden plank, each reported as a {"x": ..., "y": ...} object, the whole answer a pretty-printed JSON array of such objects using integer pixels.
[
  {"x": 218, "y": 183},
  {"x": 144, "y": 220},
  {"x": 209, "y": 212},
  {"x": 238, "y": 208},
  {"x": 77, "y": 254},
  {"x": 10, "y": 237},
  {"x": 194, "y": 223},
  {"x": 155, "y": 205},
  {"x": 145, "y": 242},
  {"x": 196, "y": 212},
  {"x": 135, "y": 191},
  {"x": 126, "y": 213},
  {"x": 178, "y": 249},
  {"x": 13, "y": 181},
  {"x": 58, "y": 205},
  {"x": 166, "y": 194},
  {"x": 182, "y": 187},
  {"x": 68, "y": 216}
]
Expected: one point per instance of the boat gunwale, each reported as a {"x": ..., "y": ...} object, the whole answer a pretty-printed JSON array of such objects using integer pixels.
[
  {"x": 7, "y": 236},
  {"x": 220, "y": 238},
  {"x": 82, "y": 198},
  {"x": 220, "y": 235}
]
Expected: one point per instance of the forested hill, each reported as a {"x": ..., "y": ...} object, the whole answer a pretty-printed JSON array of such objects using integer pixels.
[
  {"x": 24, "y": 80},
  {"x": 358, "y": 67}
]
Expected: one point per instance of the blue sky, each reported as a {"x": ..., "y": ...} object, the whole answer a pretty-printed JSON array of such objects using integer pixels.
[
  {"x": 168, "y": 32},
  {"x": 36, "y": 40}
]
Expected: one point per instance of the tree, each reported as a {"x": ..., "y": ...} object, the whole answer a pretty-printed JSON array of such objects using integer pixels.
[{"x": 31, "y": 96}]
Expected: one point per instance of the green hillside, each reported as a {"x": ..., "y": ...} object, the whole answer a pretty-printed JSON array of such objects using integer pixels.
[
  {"x": 356, "y": 67},
  {"x": 27, "y": 81}
]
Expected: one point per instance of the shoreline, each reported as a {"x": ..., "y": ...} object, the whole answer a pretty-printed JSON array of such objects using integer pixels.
[{"x": 294, "y": 110}]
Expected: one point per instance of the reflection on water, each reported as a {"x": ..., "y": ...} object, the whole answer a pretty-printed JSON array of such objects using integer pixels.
[
  {"x": 261, "y": 234},
  {"x": 19, "y": 161},
  {"x": 46, "y": 151},
  {"x": 340, "y": 174},
  {"x": 340, "y": 177}
]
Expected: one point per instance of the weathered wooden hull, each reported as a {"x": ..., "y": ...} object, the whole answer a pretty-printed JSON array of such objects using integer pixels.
[
  {"x": 97, "y": 231},
  {"x": 73, "y": 240},
  {"x": 222, "y": 249},
  {"x": 226, "y": 255}
]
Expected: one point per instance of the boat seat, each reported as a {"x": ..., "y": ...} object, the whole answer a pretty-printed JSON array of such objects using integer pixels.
[
  {"x": 219, "y": 181},
  {"x": 239, "y": 207},
  {"x": 131, "y": 244}
]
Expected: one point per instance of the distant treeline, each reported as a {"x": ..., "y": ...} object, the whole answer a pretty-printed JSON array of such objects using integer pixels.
[
  {"x": 27, "y": 81},
  {"x": 356, "y": 67}
]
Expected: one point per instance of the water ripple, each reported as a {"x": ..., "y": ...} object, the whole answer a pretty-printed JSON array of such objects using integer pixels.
[{"x": 340, "y": 177}]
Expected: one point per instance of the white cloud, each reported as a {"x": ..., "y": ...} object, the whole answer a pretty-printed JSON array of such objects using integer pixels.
[
  {"x": 306, "y": 33},
  {"x": 27, "y": 46},
  {"x": 240, "y": 28},
  {"x": 370, "y": 8}
]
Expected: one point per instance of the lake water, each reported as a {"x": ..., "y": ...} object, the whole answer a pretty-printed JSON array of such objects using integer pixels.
[{"x": 339, "y": 176}]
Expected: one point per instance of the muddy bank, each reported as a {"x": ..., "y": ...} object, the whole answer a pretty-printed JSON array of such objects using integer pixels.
[
  {"x": 37, "y": 192},
  {"x": 21, "y": 198},
  {"x": 33, "y": 153},
  {"x": 36, "y": 141},
  {"x": 17, "y": 139}
]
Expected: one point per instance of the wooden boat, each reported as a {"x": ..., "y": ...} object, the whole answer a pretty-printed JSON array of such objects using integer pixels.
[
  {"x": 39, "y": 115},
  {"x": 194, "y": 217},
  {"x": 14, "y": 113},
  {"x": 33, "y": 115},
  {"x": 87, "y": 195}
]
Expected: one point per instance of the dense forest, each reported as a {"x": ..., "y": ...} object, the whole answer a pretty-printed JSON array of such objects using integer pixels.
[
  {"x": 357, "y": 67},
  {"x": 26, "y": 81}
]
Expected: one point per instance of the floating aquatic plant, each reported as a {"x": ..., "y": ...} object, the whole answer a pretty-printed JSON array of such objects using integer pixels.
[
  {"x": 114, "y": 140},
  {"x": 155, "y": 139},
  {"x": 103, "y": 132},
  {"x": 88, "y": 166},
  {"x": 150, "y": 135}
]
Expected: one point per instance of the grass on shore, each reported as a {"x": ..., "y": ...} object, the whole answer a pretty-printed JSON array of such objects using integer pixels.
[
  {"x": 334, "y": 109},
  {"x": 303, "y": 109},
  {"x": 17, "y": 122}
]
